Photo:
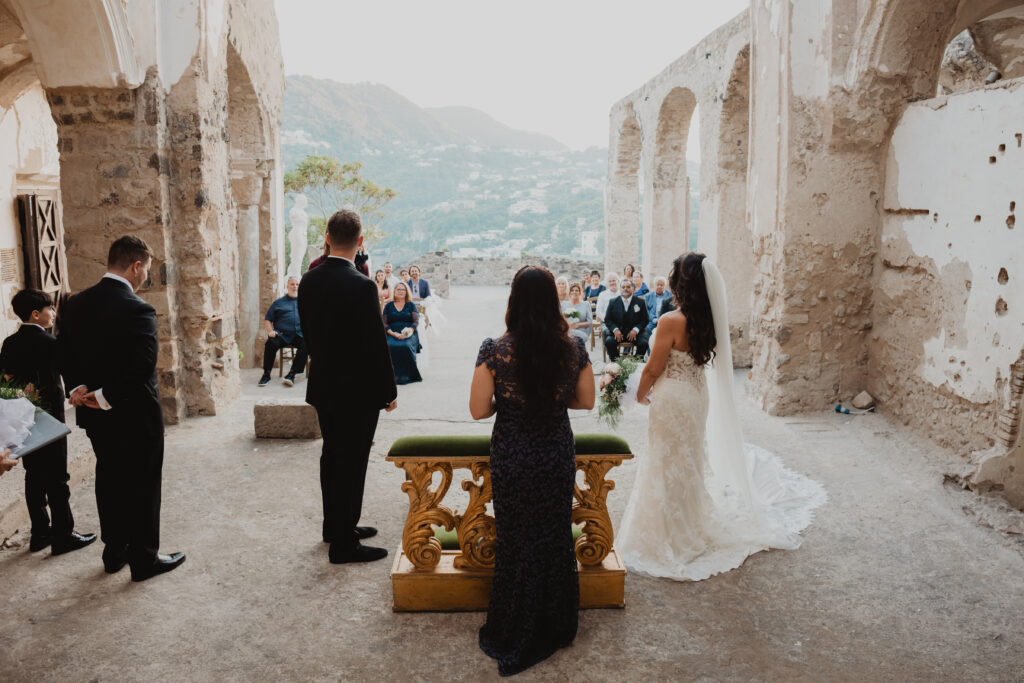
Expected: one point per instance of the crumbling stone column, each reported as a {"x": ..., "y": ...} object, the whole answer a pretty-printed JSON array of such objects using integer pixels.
[
  {"x": 622, "y": 193},
  {"x": 247, "y": 188},
  {"x": 115, "y": 181}
]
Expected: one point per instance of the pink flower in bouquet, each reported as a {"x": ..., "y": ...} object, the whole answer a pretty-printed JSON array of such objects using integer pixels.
[
  {"x": 605, "y": 380},
  {"x": 612, "y": 369}
]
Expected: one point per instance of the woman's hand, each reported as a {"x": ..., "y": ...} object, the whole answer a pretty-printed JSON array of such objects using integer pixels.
[{"x": 644, "y": 401}]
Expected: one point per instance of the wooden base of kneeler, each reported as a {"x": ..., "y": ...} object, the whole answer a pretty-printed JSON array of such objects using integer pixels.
[{"x": 446, "y": 589}]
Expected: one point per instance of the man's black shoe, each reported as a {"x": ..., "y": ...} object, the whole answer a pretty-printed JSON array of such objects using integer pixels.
[
  {"x": 361, "y": 553},
  {"x": 114, "y": 560},
  {"x": 161, "y": 565},
  {"x": 73, "y": 541},
  {"x": 288, "y": 381},
  {"x": 365, "y": 531},
  {"x": 38, "y": 542},
  {"x": 264, "y": 380}
]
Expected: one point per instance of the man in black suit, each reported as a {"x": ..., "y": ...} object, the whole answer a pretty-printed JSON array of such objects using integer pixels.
[
  {"x": 350, "y": 381},
  {"x": 29, "y": 357},
  {"x": 109, "y": 345},
  {"x": 626, "y": 320}
]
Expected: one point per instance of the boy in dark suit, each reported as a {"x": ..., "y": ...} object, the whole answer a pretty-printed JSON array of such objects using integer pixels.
[{"x": 29, "y": 356}]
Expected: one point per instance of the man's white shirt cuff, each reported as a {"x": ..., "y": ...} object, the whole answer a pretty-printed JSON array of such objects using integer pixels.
[{"x": 102, "y": 401}]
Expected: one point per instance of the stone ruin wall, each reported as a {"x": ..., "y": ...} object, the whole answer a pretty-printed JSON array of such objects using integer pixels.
[{"x": 441, "y": 267}]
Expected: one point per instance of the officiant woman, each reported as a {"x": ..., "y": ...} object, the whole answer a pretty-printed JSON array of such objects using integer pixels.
[{"x": 400, "y": 315}]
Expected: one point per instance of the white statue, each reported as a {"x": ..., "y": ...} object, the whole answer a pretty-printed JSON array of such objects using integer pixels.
[{"x": 297, "y": 236}]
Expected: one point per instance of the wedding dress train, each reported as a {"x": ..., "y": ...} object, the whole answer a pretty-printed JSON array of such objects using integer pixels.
[{"x": 703, "y": 501}]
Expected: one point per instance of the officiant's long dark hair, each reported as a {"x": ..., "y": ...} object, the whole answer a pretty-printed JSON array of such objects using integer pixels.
[
  {"x": 540, "y": 338},
  {"x": 690, "y": 292}
]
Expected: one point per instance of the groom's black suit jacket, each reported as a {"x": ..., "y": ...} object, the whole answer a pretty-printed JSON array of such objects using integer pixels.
[
  {"x": 617, "y": 318},
  {"x": 340, "y": 317}
]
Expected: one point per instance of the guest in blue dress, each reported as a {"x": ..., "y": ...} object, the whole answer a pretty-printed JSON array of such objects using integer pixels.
[
  {"x": 595, "y": 287},
  {"x": 400, "y": 315}
]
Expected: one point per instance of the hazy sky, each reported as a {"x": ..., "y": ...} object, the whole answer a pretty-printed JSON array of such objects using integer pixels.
[{"x": 550, "y": 66}]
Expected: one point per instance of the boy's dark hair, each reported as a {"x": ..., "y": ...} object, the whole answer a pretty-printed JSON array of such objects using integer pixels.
[
  {"x": 595, "y": 272},
  {"x": 28, "y": 300},
  {"x": 344, "y": 227},
  {"x": 127, "y": 250}
]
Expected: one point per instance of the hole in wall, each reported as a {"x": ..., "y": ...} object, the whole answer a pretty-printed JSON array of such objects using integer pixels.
[
  {"x": 1019, "y": 138},
  {"x": 1003, "y": 276},
  {"x": 977, "y": 219},
  {"x": 967, "y": 285},
  {"x": 1001, "y": 306},
  {"x": 1002, "y": 148},
  {"x": 935, "y": 218},
  {"x": 1013, "y": 206},
  {"x": 1011, "y": 221}
]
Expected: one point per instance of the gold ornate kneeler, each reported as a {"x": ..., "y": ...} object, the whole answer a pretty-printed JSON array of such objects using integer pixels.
[{"x": 425, "y": 577}]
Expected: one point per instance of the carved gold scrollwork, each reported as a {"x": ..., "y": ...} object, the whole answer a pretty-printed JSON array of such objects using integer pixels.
[
  {"x": 590, "y": 511},
  {"x": 425, "y": 512},
  {"x": 476, "y": 528}
]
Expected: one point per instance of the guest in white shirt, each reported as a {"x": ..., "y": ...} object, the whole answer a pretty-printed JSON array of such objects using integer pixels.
[
  {"x": 607, "y": 295},
  {"x": 390, "y": 277}
]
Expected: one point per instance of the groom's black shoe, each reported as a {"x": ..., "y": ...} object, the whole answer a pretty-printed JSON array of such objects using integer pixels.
[
  {"x": 71, "y": 542},
  {"x": 360, "y": 553},
  {"x": 361, "y": 531},
  {"x": 160, "y": 565}
]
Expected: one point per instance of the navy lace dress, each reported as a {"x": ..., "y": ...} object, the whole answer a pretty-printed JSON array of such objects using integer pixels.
[
  {"x": 403, "y": 351},
  {"x": 535, "y": 593}
]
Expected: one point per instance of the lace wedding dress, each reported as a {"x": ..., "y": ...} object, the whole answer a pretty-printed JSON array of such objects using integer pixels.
[{"x": 690, "y": 516}]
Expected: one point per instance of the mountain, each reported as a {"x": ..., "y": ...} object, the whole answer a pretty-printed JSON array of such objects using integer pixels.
[
  {"x": 464, "y": 180},
  {"x": 483, "y": 130}
]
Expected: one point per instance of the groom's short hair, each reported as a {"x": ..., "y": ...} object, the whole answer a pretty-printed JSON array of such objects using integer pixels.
[{"x": 344, "y": 228}]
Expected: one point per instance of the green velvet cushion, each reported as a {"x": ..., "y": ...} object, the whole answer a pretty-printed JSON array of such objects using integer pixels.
[
  {"x": 480, "y": 446},
  {"x": 450, "y": 540}
]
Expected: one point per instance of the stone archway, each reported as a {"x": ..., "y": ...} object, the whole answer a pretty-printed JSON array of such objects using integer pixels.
[
  {"x": 731, "y": 243},
  {"x": 250, "y": 173},
  {"x": 622, "y": 192},
  {"x": 667, "y": 190}
]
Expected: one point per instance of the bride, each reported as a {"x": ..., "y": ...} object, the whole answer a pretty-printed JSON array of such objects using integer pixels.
[{"x": 701, "y": 502}]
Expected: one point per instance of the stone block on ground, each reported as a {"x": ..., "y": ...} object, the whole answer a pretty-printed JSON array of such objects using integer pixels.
[
  {"x": 863, "y": 401},
  {"x": 285, "y": 419}
]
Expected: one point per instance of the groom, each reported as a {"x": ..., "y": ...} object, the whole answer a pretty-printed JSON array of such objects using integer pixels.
[{"x": 350, "y": 381}]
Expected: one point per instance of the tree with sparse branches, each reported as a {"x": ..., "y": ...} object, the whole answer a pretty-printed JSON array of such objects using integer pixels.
[{"x": 330, "y": 185}]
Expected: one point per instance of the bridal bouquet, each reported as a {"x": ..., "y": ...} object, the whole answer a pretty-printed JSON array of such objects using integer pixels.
[
  {"x": 571, "y": 314},
  {"x": 407, "y": 332},
  {"x": 613, "y": 388}
]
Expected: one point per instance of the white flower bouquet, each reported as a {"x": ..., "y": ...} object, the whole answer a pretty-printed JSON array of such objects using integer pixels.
[
  {"x": 571, "y": 314},
  {"x": 407, "y": 332},
  {"x": 613, "y": 388}
]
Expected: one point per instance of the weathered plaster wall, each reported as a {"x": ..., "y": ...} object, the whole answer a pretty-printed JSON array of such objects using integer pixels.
[
  {"x": 439, "y": 267},
  {"x": 28, "y": 160},
  {"x": 949, "y": 295}
]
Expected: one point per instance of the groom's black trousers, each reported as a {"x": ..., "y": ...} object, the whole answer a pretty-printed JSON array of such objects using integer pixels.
[{"x": 347, "y": 435}]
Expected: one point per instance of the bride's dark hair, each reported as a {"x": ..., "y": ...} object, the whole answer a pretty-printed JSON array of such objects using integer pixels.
[
  {"x": 541, "y": 345},
  {"x": 690, "y": 292}
]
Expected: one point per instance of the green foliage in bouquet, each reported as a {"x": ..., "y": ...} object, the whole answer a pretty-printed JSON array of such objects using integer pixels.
[
  {"x": 10, "y": 390},
  {"x": 613, "y": 386},
  {"x": 572, "y": 314}
]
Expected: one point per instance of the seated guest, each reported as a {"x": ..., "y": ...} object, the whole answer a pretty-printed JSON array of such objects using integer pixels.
[
  {"x": 579, "y": 326},
  {"x": 655, "y": 300},
  {"x": 639, "y": 286},
  {"x": 390, "y": 276},
  {"x": 418, "y": 287},
  {"x": 626, "y": 321},
  {"x": 6, "y": 461},
  {"x": 595, "y": 287},
  {"x": 628, "y": 270},
  {"x": 403, "y": 276},
  {"x": 401, "y": 314},
  {"x": 584, "y": 278},
  {"x": 282, "y": 323},
  {"x": 319, "y": 259},
  {"x": 607, "y": 295},
  {"x": 562, "y": 287},
  {"x": 383, "y": 289},
  {"x": 29, "y": 356}
]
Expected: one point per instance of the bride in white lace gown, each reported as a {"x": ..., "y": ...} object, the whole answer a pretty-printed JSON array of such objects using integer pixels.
[{"x": 702, "y": 501}]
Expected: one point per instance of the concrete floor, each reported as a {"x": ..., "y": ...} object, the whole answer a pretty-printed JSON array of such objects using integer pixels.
[{"x": 901, "y": 577}]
